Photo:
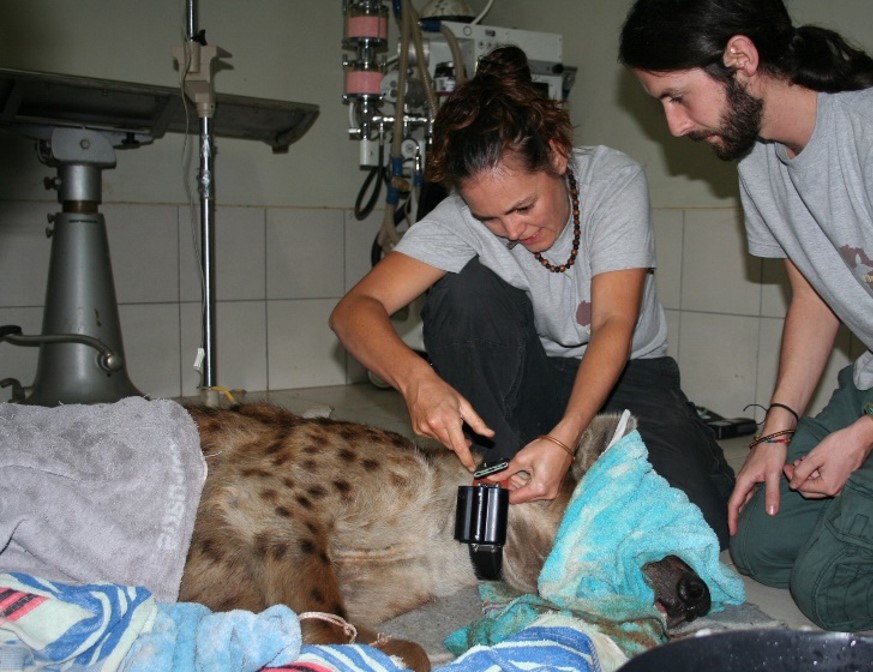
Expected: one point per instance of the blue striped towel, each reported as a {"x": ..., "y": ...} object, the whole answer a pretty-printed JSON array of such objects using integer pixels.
[
  {"x": 549, "y": 644},
  {"x": 54, "y": 626}
]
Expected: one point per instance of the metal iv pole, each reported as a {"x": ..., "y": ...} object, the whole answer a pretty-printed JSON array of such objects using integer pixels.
[{"x": 195, "y": 59}]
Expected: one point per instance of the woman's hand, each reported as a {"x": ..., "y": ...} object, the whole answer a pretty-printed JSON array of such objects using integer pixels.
[
  {"x": 763, "y": 465},
  {"x": 438, "y": 411},
  {"x": 823, "y": 471},
  {"x": 362, "y": 322},
  {"x": 535, "y": 473}
]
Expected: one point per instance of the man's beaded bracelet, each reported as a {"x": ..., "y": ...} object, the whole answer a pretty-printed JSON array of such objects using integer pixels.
[{"x": 783, "y": 436}]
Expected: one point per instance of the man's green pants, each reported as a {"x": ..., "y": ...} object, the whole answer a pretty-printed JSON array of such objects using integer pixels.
[{"x": 821, "y": 549}]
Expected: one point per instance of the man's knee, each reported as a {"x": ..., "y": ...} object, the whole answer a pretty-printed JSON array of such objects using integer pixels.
[
  {"x": 759, "y": 548},
  {"x": 832, "y": 579},
  {"x": 833, "y": 587}
]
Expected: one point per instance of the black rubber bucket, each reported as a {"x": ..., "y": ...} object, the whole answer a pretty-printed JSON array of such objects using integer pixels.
[{"x": 766, "y": 650}]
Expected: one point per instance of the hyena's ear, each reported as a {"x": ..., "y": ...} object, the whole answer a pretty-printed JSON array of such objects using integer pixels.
[{"x": 596, "y": 438}]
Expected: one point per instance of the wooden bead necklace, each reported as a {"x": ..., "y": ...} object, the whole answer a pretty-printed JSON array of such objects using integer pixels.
[{"x": 577, "y": 229}]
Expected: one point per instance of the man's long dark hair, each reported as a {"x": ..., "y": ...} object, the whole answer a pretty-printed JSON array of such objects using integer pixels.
[{"x": 667, "y": 35}]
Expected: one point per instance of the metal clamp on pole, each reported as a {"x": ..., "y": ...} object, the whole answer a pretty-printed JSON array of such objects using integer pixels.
[{"x": 196, "y": 62}]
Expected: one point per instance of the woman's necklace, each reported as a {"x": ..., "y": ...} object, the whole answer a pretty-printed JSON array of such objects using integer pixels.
[{"x": 574, "y": 198}]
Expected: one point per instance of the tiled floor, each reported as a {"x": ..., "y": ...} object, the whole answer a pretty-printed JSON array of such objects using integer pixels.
[{"x": 386, "y": 409}]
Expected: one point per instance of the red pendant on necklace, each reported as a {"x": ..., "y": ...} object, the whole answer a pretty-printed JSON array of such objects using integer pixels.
[{"x": 577, "y": 229}]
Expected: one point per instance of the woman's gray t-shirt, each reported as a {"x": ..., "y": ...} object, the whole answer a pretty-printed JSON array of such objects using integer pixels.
[{"x": 616, "y": 235}]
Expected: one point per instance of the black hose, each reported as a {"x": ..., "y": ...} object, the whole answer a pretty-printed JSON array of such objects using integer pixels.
[
  {"x": 362, "y": 213},
  {"x": 377, "y": 171},
  {"x": 9, "y": 329},
  {"x": 375, "y": 252}
]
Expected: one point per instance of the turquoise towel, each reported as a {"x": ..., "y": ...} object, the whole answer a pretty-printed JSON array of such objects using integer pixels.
[
  {"x": 621, "y": 516},
  {"x": 632, "y": 632}
]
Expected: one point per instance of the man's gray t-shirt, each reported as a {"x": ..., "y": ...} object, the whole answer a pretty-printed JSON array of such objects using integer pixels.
[
  {"x": 816, "y": 209},
  {"x": 616, "y": 234}
]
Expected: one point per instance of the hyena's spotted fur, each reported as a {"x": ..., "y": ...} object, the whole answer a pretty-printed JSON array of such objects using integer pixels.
[
  {"x": 339, "y": 517},
  {"x": 322, "y": 515}
]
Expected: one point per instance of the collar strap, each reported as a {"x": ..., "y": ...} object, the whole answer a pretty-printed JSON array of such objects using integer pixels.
[{"x": 487, "y": 561}]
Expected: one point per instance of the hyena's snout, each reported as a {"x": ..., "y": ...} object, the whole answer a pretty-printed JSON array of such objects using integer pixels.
[{"x": 679, "y": 592}]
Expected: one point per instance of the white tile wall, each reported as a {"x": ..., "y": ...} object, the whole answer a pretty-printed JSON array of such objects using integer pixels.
[
  {"x": 303, "y": 351},
  {"x": 359, "y": 237},
  {"x": 674, "y": 330},
  {"x": 669, "y": 227},
  {"x": 726, "y": 324},
  {"x": 239, "y": 253},
  {"x": 241, "y": 352},
  {"x": 144, "y": 248},
  {"x": 24, "y": 252},
  {"x": 281, "y": 270},
  {"x": 151, "y": 346},
  {"x": 305, "y": 254},
  {"x": 717, "y": 275},
  {"x": 718, "y": 360},
  {"x": 279, "y": 274}
]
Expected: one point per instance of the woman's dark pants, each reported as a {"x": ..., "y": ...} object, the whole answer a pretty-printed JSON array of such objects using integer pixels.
[{"x": 479, "y": 335}]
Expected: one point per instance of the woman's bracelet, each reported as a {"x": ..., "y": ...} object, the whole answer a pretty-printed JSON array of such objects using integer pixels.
[
  {"x": 783, "y": 436},
  {"x": 561, "y": 444}
]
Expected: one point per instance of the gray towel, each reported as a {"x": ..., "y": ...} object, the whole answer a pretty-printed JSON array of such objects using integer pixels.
[{"x": 103, "y": 492}]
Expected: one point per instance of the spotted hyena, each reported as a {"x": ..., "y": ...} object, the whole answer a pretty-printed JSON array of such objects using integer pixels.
[{"x": 339, "y": 517}]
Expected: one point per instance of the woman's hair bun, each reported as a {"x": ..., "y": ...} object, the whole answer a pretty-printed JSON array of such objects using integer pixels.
[{"x": 508, "y": 64}]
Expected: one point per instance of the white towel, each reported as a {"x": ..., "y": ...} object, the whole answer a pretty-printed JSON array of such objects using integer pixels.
[{"x": 103, "y": 492}]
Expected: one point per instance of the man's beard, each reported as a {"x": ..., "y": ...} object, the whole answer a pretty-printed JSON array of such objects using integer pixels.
[{"x": 740, "y": 124}]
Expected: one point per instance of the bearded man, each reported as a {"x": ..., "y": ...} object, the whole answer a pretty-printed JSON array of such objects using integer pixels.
[{"x": 795, "y": 106}]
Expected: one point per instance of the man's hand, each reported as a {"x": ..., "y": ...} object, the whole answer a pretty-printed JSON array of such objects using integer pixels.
[
  {"x": 763, "y": 465},
  {"x": 823, "y": 471}
]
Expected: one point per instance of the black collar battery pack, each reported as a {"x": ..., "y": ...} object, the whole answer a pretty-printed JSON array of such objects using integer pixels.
[{"x": 480, "y": 521}]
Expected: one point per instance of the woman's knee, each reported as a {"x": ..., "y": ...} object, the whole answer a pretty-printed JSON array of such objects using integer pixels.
[{"x": 476, "y": 304}]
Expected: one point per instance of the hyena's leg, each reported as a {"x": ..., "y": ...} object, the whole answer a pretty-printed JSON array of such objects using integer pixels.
[
  {"x": 300, "y": 574},
  {"x": 297, "y": 571}
]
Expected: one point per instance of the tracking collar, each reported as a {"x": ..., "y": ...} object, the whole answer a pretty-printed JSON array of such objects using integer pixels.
[{"x": 480, "y": 521}]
